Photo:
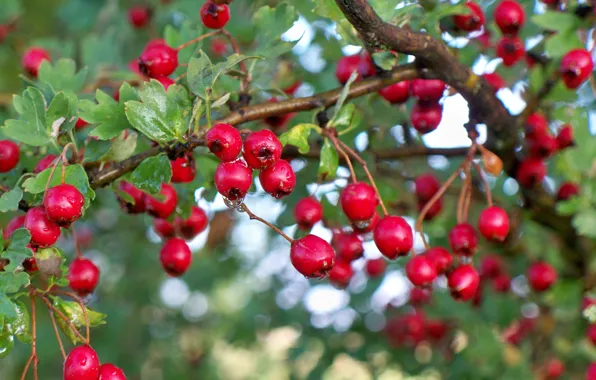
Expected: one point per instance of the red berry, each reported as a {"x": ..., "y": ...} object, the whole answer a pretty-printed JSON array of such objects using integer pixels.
[
  {"x": 348, "y": 247},
  {"x": 441, "y": 258},
  {"x": 536, "y": 125},
  {"x": 184, "y": 169},
  {"x": 463, "y": 282},
  {"x": 419, "y": 296},
  {"x": 277, "y": 121},
  {"x": 427, "y": 90},
  {"x": 137, "y": 195},
  {"x": 80, "y": 124},
  {"x": 434, "y": 209},
  {"x": 426, "y": 118},
  {"x": 510, "y": 50},
  {"x": 565, "y": 137},
  {"x": 139, "y": 16},
  {"x": 175, "y": 257},
  {"x": 375, "y": 267},
  {"x": 83, "y": 276},
  {"x": 195, "y": 224},
  {"x": 364, "y": 228},
  {"x": 307, "y": 212},
  {"x": 224, "y": 141},
  {"x": 166, "y": 82},
  {"x": 9, "y": 155},
  {"x": 393, "y": 237},
  {"x": 215, "y": 16},
  {"x": 426, "y": 185},
  {"x": 312, "y": 256},
  {"x": 554, "y": 369},
  {"x": 567, "y": 190},
  {"x": 262, "y": 149},
  {"x": 396, "y": 93},
  {"x": 81, "y": 363},
  {"x": 509, "y": 16},
  {"x": 501, "y": 283},
  {"x": 491, "y": 266},
  {"x": 531, "y": 172},
  {"x": 43, "y": 231},
  {"x": 495, "y": 81},
  {"x": 472, "y": 21},
  {"x": 109, "y": 371},
  {"x": 30, "y": 265},
  {"x": 219, "y": 47},
  {"x": 64, "y": 204},
  {"x": 291, "y": 89},
  {"x": 166, "y": 205},
  {"x": 347, "y": 65},
  {"x": 591, "y": 333},
  {"x": 591, "y": 372},
  {"x": 541, "y": 276},
  {"x": 408, "y": 329},
  {"x": 164, "y": 228},
  {"x": 543, "y": 146},
  {"x": 33, "y": 58},
  {"x": 158, "y": 60},
  {"x": 14, "y": 224},
  {"x": 421, "y": 270},
  {"x": 359, "y": 202},
  {"x": 436, "y": 330},
  {"x": 278, "y": 180},
  {"x": 44, "y": 163},
  {"x": 485, "y": 39},
  {"x": 341, "y": 273},
  {"x": 463, "y": 239},
  {"x": 493, "y": 223},
  {"x": 233, "y": 179},
  {"x": 576, "y": 67}
]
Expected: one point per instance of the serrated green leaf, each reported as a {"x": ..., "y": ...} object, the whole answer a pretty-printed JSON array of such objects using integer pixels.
[
  {"x": 61, "y": 114},
  {"x": 17, "y": 251},
  {"x": 31, "y": 128},
  {"x": 329, "y": 161},
  {"x": 327, "y": 8},
  {"x": 12, "y": 283},
  {"x": 151, "y": 173},
  {"x": 96, "y": 149},
  {"x": 343, "y": 96},
  {"x": 74, "y": 175},
  {"x": 298, "y": 136},
  {"x": 271, "y": 23},
  {"x": 558, "y": 21},
  {"x": 123, "y": 147},
  {"x": 108, "y": 114},
  {"x": 62, "y": 75},
  {"x": 9, "y": 201}
]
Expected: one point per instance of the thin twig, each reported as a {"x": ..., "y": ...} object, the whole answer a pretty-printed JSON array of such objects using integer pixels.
[
  {"x": 58, "y": 338},
  {"x": 335, "y": 143},
  {"x": 274, "y": 228},
  {"x": 64, "y": 317},
  {"x": 199, "y": 38},
  {"x": 489, "y": 197},
  {"x": 82, "y": 305},
  {"x": 468, "y": 197},
  {"x": 247, "y": 77},
  {"x": 33, "y": 357}
]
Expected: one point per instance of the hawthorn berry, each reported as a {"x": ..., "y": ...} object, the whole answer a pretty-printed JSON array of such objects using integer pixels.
[
  {"x": 109, "y": 371},
  {"x": 277, "y": 121},
  {"x": 536, "y": 125},
  {"x": 194, "y": 224},
  {"x": 166, "y": 205},
  {"x": 591, "y": 372},
  {"x": 591, "y": 333},
  {"x": 63, "y": 204},
  {"x": 219, "y": 47},
  {"x": 421, "y": 270},
  {"x": 359, "y": 202},
  {"x": 426, "y": 186},
  {"x": 509, "y": 17},
  {"x": 262, "y": 149},
  {"x": 215, "y": 16},
  {"x": 279, "y": 179},
  {"x": 14, "y": 224},
  {"x": 81, "y": 363},
  {"x": 426, "y": 118},
  {"x": 396, "y": 93},
  {"x": 138, "y": 197},
  {"x": 164, "y": 228},
  {"x": 364, "y": 228},
  {"x": 43, "y": 231},
  {"x": 491, "y": 266},
  {"x": 565, "y": 137},
  {"x": 463, "y": 239},
  {"x": 493, "y": 223},
  {"x": 501, "y": 283},
  {"x": 166, "y": 82},
  {"x": 158, "y": 60},
  {"x": 375, "y": 267},
  {"x": 420, "y": 296},
  {"x": 307, "y": 212},
  {"x": 347, "y": 65},
  {"x": 510, "y": 50},
  {"x": 312, "y": 256},
  {"x": 471, "y": 22},
  {"x": 463, "y": 282},
  {"x": 495, "y": 81},
  {"x": 32, "y": 59},
  {"x": 348, "y": 247},
  {"x": 175, "y": 257},
  {"x": 291, "y": 89},
  {"x": 184, "y": 169},
  {"x": 543, "y": 146},
  {"x": 83, "y": 276},
  {"x": 434, "y": 209},
  {"x": 436, "y": 330},
  {"x": 427, "y": 90},
  {"x": 30, "y": 265},
  {"x": 576, "y": 67},
  {"x": 9, "y": 155},
  {"x": 393, "y": 236},
  {"x": 233, "y": 179},
  {"x": 224, "y": 141},
  {"x": 80, "y": 124},
  {"x": 341, "y": 273},
  {"x": 567, "y": 190},
  {"x": 441, "y": 258},
  {"x": 408, "y": 329},
  {"x": 554, "y": 369},
  {"x": 44, "y": 163},
  {"x": 139, "y": 16},
  {"x": 541, "y": 276},
  {"x": 531, "y": 172}
]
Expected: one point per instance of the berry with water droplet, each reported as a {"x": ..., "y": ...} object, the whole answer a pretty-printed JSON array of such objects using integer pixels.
[
  {"x": 224, "y": 141},
  {"x": 63, "y": 204},
  {"x": 262, "y": 149},
  {"x": 43, "y": 231},
  {"x": 109, "y": 371},
  {"x": 233, "y": 179},
  {"x": 81, "y": 363},
  {"x": 312, "y": 256},
  {"x": 279, "y": 179}
]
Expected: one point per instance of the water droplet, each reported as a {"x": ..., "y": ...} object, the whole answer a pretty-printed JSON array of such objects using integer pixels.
[
  {"x": 466, "y": 260},
  {"x": 362, "y": 224},
  {"x": 233, "y": 204}
]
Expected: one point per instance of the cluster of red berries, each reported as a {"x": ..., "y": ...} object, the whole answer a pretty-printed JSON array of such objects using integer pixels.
[
  {"x": 426, "y": 186},
  {"x": 413, "y": 328},
  {"x": 82, "y": 363},
  {"x": 509, "y": 17},
  {"x": 215, "y": 16}
]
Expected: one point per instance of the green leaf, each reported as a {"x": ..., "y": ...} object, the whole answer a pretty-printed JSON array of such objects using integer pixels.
[
  {"x": 7, "y": 308},
  {"x": 31, "y": 128},
  {"x": 151, "y": 173},
  {"x": 9, "y": 201},
  {"x": 298, "y": 136},
  {"x": 558, "y": 21},
  {"x": 123, "y": 147},
  {"x": 329, "y": 161},
  {"x": 271, "y": 23},
  {"x": 108, "y": 114},
  {"x": 327, "y": 8},
  {"x": 74, "y": 175},
  {"x": 17, "y": 251},
  {"x": 12, "y": 283},
  {"x": 343, "y": 119},
  {"x": 99, "y": 50},
  {"x": 61, "y": 114},
  {"x": 20, "y": 325},
  {"x": 559, "y": 44},
  {"x": 343, "y": 96},
  {"x": 585, "y": 222},
  {"x": 62, "y": 75},
  {"x": 77, "y": 316},
  {"x": 6, "y": 338}
]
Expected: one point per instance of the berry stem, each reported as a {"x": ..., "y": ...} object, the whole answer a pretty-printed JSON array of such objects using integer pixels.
[
  {"x": 274, "y": 228},
  {"x": 198, "y": 39},
  {"x": 468, "y": 197},
  {"x": 335, "y": 143},
  {"x": 84, "y": 309},
  {"x": 76, "y": 243},
  {"x": 64, "y": 317},
  {"x": 247, "y": 77},
  {"x": 33, "y": 357},
  {"x": 489, "y": 197},
  {"x": 460, "y": 202},
  {"x": 58, "y": 338}
]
